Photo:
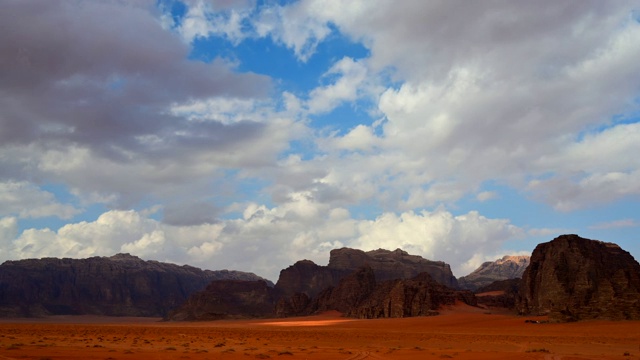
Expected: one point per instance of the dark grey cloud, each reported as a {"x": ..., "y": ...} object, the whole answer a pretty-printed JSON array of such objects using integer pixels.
[
  {"x": 190, "y": 214},
  {"x": 103, "y": 75}
]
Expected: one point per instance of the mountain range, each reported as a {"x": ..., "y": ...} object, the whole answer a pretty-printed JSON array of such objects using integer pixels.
[{"x": 568, "y": 278}]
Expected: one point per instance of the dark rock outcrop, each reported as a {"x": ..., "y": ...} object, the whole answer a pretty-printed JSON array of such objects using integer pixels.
[
  {"x": 120, "y": 285},
  {"x": 391, "y": 265},
  {"x": 228, "y": 299},
  {"x": 509, "y": 267},
  {"x": 360, "y": 295},
  {"x": 309, "y": 278},
  {"x": 572, "y": 278},
  {"x": 419, "y": 296},
  {"x": 306, "y": 277},
  {"x": 499, "y": 294}
]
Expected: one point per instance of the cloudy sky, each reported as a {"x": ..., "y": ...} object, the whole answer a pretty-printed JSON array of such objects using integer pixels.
[{"x": 248, "y": 134}]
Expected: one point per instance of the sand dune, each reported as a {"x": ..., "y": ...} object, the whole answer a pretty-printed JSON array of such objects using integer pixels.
[{"x": 461, "y": 332}]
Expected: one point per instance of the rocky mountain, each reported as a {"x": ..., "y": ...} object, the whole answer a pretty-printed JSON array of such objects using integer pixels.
[
  {"x": 572, "y": 278},
  {"x": 360, "y": 295},
  {"x": 228, "y": 299},
  {"x": 120, "y": 285},
  {"x": 309, "y": 278},
  {"x": 508, "y": 267}
]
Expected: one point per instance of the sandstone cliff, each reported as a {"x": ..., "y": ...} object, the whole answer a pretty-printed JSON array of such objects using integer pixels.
[
  {"x": 309, "y": 278},
  {"x": 508, "y": 267},
  {"x": 390, "y": 265},
  {"x": 228, "y": 299},
  {"x": 120, "y": 285},
  {"x": 572, "y": 278},
  {"x": 360, "y": 295}
]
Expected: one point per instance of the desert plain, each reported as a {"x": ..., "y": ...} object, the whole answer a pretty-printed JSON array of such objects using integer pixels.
[{"x": 459, "y": 332}]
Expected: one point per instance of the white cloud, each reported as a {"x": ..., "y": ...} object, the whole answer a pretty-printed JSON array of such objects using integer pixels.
[
  {"x": 28, "y": 201},
  {"x": 347, "y": 87},
  {"x": 438, "y": 235},
  {"x": 295, "y": 26},
  {"x": 266, "y": 240},
  {"x": 216, "y": 18},
  {"x": 615, "y": 224},
  {"x": 486, "y": 195}
]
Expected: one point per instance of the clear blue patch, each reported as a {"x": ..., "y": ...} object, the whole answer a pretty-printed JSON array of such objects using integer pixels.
[{"x": 263, "y": 56}]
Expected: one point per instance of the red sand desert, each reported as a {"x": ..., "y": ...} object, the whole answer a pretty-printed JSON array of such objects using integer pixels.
[{"x": 460, "y": 332}]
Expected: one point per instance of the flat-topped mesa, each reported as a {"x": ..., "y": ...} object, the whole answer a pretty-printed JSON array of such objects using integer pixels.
[
  {"x": 572, "y": 278},
  {"x": 119, "y": 285},
  {"x": 390, "y": 265}
]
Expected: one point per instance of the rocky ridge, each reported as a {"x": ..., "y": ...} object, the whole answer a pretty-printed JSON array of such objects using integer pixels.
[
  {"x": 508, "y": 267},
  {"x": 308, "y": 278},
  {"x": 120, "y": 285},
  {"x": 359, "y": 295},
  {"x": 571, "y": 278}
]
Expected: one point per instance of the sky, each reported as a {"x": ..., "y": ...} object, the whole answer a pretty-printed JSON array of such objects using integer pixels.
[{"x": 249, "y": 134}]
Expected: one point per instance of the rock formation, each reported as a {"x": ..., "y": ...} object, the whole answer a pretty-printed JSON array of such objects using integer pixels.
[
  {"x": 228, "y": 299},
  {"x": 120, "y": 285},
  {"x": 509, "y": 267},
  {"x": 499, "y": 294},
  {"x": 360, "y": 295},
  {"x": 572, "y": 278},
  {"x": 419, "y": 296},
  {"x": 309, "y": 278},
  {"x": 391, "y": 265}
]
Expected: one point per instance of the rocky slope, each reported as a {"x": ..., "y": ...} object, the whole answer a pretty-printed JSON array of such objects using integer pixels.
[
  {"x": 309, "y": 278},
  {"x": 509, "y": 267},
  {"x": 228, "y": 299},
  {"x": 572, "y": 278},
  {"x": 120, "y": 285}
]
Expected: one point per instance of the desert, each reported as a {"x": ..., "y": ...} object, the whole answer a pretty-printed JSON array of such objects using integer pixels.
[{"x": 459, "y": 332}]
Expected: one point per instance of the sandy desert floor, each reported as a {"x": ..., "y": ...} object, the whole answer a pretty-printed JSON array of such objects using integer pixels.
[{"x": 458, "y": 333}]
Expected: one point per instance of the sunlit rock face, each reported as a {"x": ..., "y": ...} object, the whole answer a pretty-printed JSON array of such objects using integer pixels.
[{"x": 508, "y": 267}]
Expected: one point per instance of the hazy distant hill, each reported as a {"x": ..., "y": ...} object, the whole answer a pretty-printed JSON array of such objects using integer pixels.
[
  {"x": 120, "y": 285},
  {"x": 509, "y": 267}
]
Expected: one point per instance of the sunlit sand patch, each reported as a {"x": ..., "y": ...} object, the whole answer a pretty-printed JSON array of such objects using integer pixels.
[{"x": 305, "y": 323}]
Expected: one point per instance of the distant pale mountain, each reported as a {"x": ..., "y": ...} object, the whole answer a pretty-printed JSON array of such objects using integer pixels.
[{"x": 509, "y": 267}]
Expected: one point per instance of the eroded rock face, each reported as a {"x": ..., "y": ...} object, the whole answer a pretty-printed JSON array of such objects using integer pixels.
[
  {"x": 572, "y": 278},
  {"x": 309, "y": 278},
  {"x": 391, "y": 265},
  {"x": 120, "y": 285},
  {"x": 419, "y": 296},
  {"x": 360, "y": 295},
  {"x": 228, "y": 299},
  {"x": 508, "y": 267}
]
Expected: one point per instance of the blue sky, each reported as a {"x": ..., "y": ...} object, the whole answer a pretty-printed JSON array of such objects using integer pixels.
[{"x": 248, "y": 135}]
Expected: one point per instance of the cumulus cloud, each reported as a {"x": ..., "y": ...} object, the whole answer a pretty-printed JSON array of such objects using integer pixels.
[
  {"x": 266, "y": 240},
  {"x": 496, "y": 92},
  {"x": 28, "y": 201}
]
